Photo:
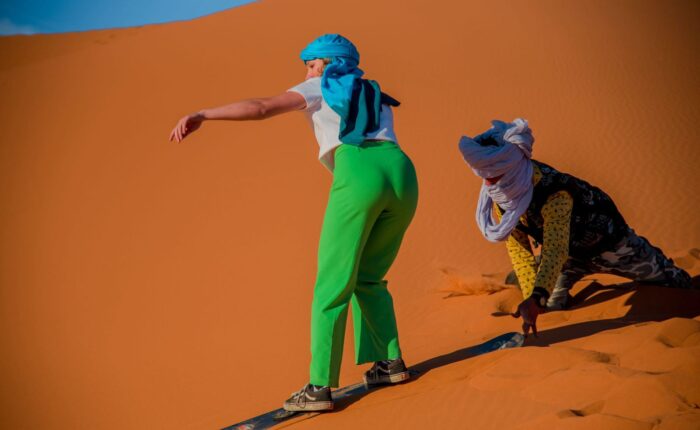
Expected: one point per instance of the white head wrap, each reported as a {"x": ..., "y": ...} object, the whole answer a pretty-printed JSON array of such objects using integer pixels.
[{"x": 510, "y": 157}]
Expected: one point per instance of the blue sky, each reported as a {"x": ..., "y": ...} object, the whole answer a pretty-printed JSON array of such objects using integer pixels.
[{"x": 36, "y": 16}]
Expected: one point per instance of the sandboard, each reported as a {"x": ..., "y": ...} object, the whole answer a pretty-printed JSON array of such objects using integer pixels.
[{"x": 281, "y": 418}]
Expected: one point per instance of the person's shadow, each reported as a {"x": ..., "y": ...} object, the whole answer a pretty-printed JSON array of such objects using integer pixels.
[{"x": 646, "y": 303}]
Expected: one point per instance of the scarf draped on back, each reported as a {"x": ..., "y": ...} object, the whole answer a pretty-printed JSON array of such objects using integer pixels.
[
  {"x": 357, "y": 101},
  {"x": 505, "y": 149}
]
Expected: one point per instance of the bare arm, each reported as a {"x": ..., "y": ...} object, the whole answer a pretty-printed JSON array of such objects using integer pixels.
[{"x": 253, "y": 109}]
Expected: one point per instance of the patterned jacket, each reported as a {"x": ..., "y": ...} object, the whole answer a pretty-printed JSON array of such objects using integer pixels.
[{"x": 570, "y": 218}]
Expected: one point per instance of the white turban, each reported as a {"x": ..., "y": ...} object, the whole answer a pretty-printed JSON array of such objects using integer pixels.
[{"x": 509, "y": 155}]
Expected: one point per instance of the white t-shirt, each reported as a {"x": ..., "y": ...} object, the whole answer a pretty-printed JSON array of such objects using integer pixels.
[{"x": 326, "y": 122}]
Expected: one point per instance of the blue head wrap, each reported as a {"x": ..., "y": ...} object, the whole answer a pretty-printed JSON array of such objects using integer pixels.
[{"x": 357, "y": 101}]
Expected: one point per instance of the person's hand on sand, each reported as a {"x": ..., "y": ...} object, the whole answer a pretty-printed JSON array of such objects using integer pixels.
[
  {"x": 529, "y": 310},
  {"x": 186, "y": 126}
]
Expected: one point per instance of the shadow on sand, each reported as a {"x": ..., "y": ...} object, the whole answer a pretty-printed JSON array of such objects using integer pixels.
[{"x": 646, "y": 303}]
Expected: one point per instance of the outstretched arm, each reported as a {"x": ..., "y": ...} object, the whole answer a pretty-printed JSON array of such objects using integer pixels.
[{"x": 253, "y": 109}]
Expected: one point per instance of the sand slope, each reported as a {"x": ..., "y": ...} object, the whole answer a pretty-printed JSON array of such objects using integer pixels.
[{"x": 151, "y": 285}]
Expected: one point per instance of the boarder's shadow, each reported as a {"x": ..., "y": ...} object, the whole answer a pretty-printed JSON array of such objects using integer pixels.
[
  {"x": 417, "y": 371},
  {"x": 643, "y": 303}
]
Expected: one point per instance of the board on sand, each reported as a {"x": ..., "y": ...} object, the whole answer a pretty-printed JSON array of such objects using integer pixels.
[{"x": 282, "y": 418}]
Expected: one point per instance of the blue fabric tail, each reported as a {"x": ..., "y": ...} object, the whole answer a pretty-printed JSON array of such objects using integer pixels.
[{"x": 357, "y": 101}]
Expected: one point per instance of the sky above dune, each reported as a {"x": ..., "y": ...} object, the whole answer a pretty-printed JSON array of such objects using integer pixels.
[{"x": 42, "y": 16}]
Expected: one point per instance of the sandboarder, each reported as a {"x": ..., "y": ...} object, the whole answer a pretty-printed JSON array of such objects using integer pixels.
[
  {"x": 372, "y": 201},
  {"x": 579, "y": 227}
]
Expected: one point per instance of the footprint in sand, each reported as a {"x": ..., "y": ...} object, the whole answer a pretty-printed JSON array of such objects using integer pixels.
[
  {"x": 457, "y": 284},
  {"x": 593, "y": 408},
  {"x": 689, "y": 260}
]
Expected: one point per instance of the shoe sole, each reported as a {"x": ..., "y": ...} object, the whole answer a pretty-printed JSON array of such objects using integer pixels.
[
  {"x": 387, "y": 380},
  {"x": 309, "y": 407}
]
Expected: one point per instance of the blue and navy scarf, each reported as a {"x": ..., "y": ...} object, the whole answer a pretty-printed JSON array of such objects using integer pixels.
[{"x": 357, "y": 101}]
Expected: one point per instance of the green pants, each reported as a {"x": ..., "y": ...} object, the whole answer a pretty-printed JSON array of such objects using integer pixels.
[{"x": 371, "y": 203}]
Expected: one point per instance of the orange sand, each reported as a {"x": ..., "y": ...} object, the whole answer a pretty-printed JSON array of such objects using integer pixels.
[{"x": 150, "y": 285}]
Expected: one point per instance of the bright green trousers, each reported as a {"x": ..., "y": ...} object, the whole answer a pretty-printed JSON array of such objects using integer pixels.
[{"x": 371, "y": 203}]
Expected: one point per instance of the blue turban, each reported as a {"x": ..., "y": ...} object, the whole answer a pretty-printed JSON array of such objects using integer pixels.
[{"x": 357, "y": 101}]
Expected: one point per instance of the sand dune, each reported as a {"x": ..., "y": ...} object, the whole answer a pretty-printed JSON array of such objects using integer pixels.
[
  {"x": 152, "y": 285},
  {"x": 626, "y": 371}
]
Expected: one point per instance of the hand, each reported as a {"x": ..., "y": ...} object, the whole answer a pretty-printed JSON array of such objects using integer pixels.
[
  {"x": 529, "y": 309},
  {"x": 186, "y": 126}
]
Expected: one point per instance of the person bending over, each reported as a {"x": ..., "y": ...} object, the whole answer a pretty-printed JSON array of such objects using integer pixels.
[{"x": 578, "y": 226}]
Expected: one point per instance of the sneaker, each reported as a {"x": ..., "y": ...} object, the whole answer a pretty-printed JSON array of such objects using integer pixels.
[
  {"x": 310, "y": 398},
  {"x": 386, "y": 372},
  {"x": 559, "y": 303}
]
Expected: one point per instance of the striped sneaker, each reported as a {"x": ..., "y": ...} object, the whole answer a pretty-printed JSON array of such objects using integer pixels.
[
  {"x": 386, "y": 372},
  {"x": 310, "y": 398}
]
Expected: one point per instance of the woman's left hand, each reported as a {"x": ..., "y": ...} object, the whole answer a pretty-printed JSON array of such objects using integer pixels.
[{"x": 186, "y": 126}]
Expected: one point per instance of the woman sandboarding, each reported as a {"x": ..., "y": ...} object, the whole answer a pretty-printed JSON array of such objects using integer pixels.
[{"x": 372, "y": 201}]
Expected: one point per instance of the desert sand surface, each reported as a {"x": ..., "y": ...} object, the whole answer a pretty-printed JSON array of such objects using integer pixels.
[{"x": 151, "y": 285}]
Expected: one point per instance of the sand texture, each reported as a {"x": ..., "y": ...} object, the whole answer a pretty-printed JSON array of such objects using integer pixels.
[{"x": 150, "y": 285}]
